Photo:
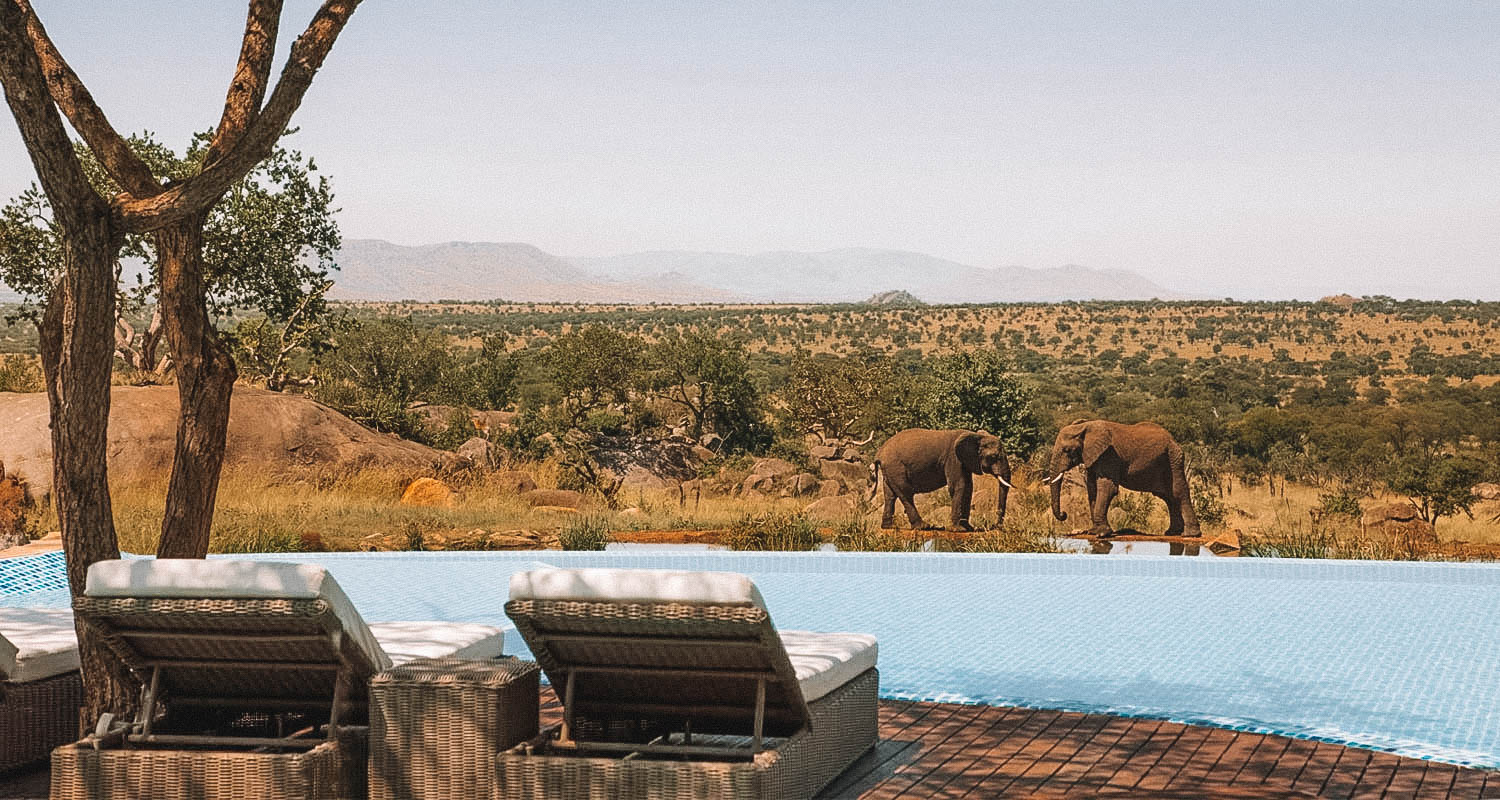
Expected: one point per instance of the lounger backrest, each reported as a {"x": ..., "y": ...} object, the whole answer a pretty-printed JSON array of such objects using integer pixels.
[
  {"x": 659, "y": 644},
  {"x": 231, "y": 631}
]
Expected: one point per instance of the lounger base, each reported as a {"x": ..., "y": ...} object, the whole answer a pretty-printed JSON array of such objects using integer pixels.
[
  {"x": 329, "y": 771},
  {"x": 37, "y": 716},
  {"x": 843, "y": 727}
]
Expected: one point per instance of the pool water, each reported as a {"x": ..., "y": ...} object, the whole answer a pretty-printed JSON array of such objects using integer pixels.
[{"x": 1403, "y": 657}]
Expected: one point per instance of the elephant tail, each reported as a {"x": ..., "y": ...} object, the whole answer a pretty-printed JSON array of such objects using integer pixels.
[{"x": 874, "y": 480}]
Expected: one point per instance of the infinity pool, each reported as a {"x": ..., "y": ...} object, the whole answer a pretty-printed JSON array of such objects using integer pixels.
[{"x": 1403, "y": 657}]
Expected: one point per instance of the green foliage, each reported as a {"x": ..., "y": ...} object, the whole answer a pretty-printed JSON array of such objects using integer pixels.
[
  {"x": 1207, "y": 505},
  {"x": 774, "y": 530},
  {"x": 708, "y": 376},
  {"x": 1011, "y": 539},
  {"x": 593, "y": 366},
  {"x": 975, "y": 390},
  {"x": 1341, "y": 503},
  {"x": 458, "y": 429},
  {"x": 843, "y": 397},
  {"x": 589, "y": 532},
  {"x": 268, "y": 244},
  {"x": 378, "y": 368},
  {"x": 1132, "y": 511},
  {"x": 21, "y": 373},
  {"x": 858, "y": 534},
  {"x": 1439, "y": 485}
]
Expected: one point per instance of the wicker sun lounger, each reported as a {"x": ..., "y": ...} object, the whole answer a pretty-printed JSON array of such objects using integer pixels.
[
  {"x": 256, "y": 678},
  {"x": 676, "y": 685},
  {"x": 40, "y": 690}
]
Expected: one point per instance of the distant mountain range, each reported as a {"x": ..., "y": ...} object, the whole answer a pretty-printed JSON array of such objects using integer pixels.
[{"x": 371, "y": 269}]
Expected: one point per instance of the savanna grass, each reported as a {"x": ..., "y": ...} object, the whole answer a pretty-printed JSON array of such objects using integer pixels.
[{"x": 773, "y": 530}]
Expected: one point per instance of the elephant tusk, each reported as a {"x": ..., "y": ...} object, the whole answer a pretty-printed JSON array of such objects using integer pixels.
[
  {"x": 1058, "y": 478},
  {"x": 1004, "y": 482}
]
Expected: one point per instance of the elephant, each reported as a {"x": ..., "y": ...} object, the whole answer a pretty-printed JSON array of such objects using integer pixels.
[
  {"x": 919, "y": 460},
  {"x": 1142, "y": 457}
]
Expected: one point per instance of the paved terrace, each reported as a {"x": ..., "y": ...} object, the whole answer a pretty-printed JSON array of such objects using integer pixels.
[{"x": 945, "y": 750}]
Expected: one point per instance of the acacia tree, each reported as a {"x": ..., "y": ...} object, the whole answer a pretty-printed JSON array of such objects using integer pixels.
[
  {"x": 76, "y": 324},
  {"x": 268, "y": 245},
  {"x": 709, "y": 378}
]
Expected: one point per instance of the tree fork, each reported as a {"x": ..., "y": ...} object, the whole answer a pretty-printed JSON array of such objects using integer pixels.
[{"x": 205, "y": 381}]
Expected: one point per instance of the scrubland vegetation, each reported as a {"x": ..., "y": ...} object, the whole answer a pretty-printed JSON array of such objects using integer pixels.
[{"x": 1294, "y": 415}]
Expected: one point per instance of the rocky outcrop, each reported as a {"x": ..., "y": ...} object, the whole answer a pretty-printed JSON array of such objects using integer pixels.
[
  {"x": 513, "y": 481},
  {"x": 556, "y": 498},
  {"x": 832, "y": 508},
  {"x": 1486, "y": 491},
  {"x": 269, "y": 432},
  {"x": 427, "y": 492},
  {"x": 1400, "y": 525},
  {"x": 482, "y": 453}
]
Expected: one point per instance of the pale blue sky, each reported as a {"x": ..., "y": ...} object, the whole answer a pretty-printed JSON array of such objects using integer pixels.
[{"x": 1257, "y": 149}]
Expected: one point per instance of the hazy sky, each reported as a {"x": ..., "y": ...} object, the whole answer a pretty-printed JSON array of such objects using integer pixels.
[{"x": 1257, "y": 149}]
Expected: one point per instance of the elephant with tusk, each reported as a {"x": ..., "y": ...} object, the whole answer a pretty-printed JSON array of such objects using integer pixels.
[
  {"x": 919, "y": 460},
  {"x": 1142, "y": 457}
]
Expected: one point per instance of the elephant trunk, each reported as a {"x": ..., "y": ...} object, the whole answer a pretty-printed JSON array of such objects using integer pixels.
[
  {"x": 1059, "y": 466},
  {"x": 1004, "y": 493}
]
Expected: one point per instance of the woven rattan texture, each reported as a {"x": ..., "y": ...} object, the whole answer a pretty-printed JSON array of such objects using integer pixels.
[
  {"x": 842, "y": 727},
  {"x": 37, "y": 716},
  {"x": 436, "y": 725}
]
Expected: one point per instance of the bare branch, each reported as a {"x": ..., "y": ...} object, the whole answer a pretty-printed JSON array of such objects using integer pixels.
[
  {"x": 251, "y": 75},
  {"x": 41, "y": 127},
  {"x": 204, "y": 189},
  {"x": 87, "y": 118}
]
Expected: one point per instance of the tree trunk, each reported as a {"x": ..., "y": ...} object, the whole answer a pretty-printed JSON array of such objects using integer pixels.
[
  {"x": 205, "y": 380},
  {"x": 77, "y": 357}
]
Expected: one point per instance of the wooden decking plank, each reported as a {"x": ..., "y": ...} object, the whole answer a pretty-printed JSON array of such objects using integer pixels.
[
  {"x": 957, "y": 756},
  {"x": 1318, "y": 767},
  {"x": 1174, "y": 760},
  {"x": 1203, "y": 760},
  {"x": 1437, "y": 781},
  {"x": 1142, "y": 760},
  {"x": 1467, "y": 783},
  {"x": 1291, "y": 763},
  {"x": 937, "y": 747},
  {"x": 900, "y": 739},
  {"x": 965, "y": 772},
  {"x": 1065, "y": 745},
  {"x": 1094, "y": 749},
  {"x": 1377, "y": 775},
  {"x": 1345, "y": 773},
  {"x": 1135, "y": 738},
  {"x": 1407, "y": 778},
  {"x": 1260, "y": 763},
  {"x": 974, "y": 781}
]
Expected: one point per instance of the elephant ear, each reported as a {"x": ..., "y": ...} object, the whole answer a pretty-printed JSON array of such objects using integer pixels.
[
  {"x": 1096, "y": 440},
  {"x": 966, "y": 448}
]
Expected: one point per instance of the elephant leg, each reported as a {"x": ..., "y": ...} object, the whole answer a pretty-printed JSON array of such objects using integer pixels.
[
  {"x": 1185, "y": 520},
  {"x": 1103, "y": 496},
  {"x": 911, "y": 512},
  {"x": 1174, "y": 513},
  {"x": 888, "y": 515},
  {"x": 963, "y": 493}
]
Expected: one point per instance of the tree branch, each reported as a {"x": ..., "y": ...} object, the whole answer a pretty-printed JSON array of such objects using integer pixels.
[
  {"x": 73, "y": 199},
  {"x": 205, "y": 188},
  {"x": 251, "y": 75},
  {"x": 73, "y": 98}
]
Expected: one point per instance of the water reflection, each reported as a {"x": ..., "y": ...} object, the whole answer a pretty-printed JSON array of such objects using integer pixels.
[{"x": 1126, "y": 547}]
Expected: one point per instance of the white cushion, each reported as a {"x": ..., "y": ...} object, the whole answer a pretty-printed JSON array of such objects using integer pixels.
[
  {"x": 191, "y": 577},
  {"x": 635, "y": 586},
  {"x": 825, "y": 661},
  {"x": 36, "y": 643},
  {"x": 407, "y": 641}
]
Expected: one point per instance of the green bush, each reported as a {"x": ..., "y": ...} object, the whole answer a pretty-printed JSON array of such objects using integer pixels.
[
  {"x": 1342, "y": 503},
  {"x": 1208, "y": 506},
  {"x": 858, "y": 534},
  {"x": 20, "y": 373},
  {"x": 585, "y": 533},
  {"x": 1132, "y": 511},
  {"x": 774, "y": 530},
  {"x": 1011, "y": 539}
]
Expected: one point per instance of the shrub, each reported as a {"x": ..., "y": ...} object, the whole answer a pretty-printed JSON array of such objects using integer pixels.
[
  {"x": 1011, "y": 539},
  {"x": 585, "y": 533},
  {"x": 1132, "y": 511},
  {"x": 1208, "y": 506},
  {"x": 857, "y": 534},
  {"x": 774, "y": 530},
  {"x": 20, "y": 373},
  {"x": 1342, "y": 503}
]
